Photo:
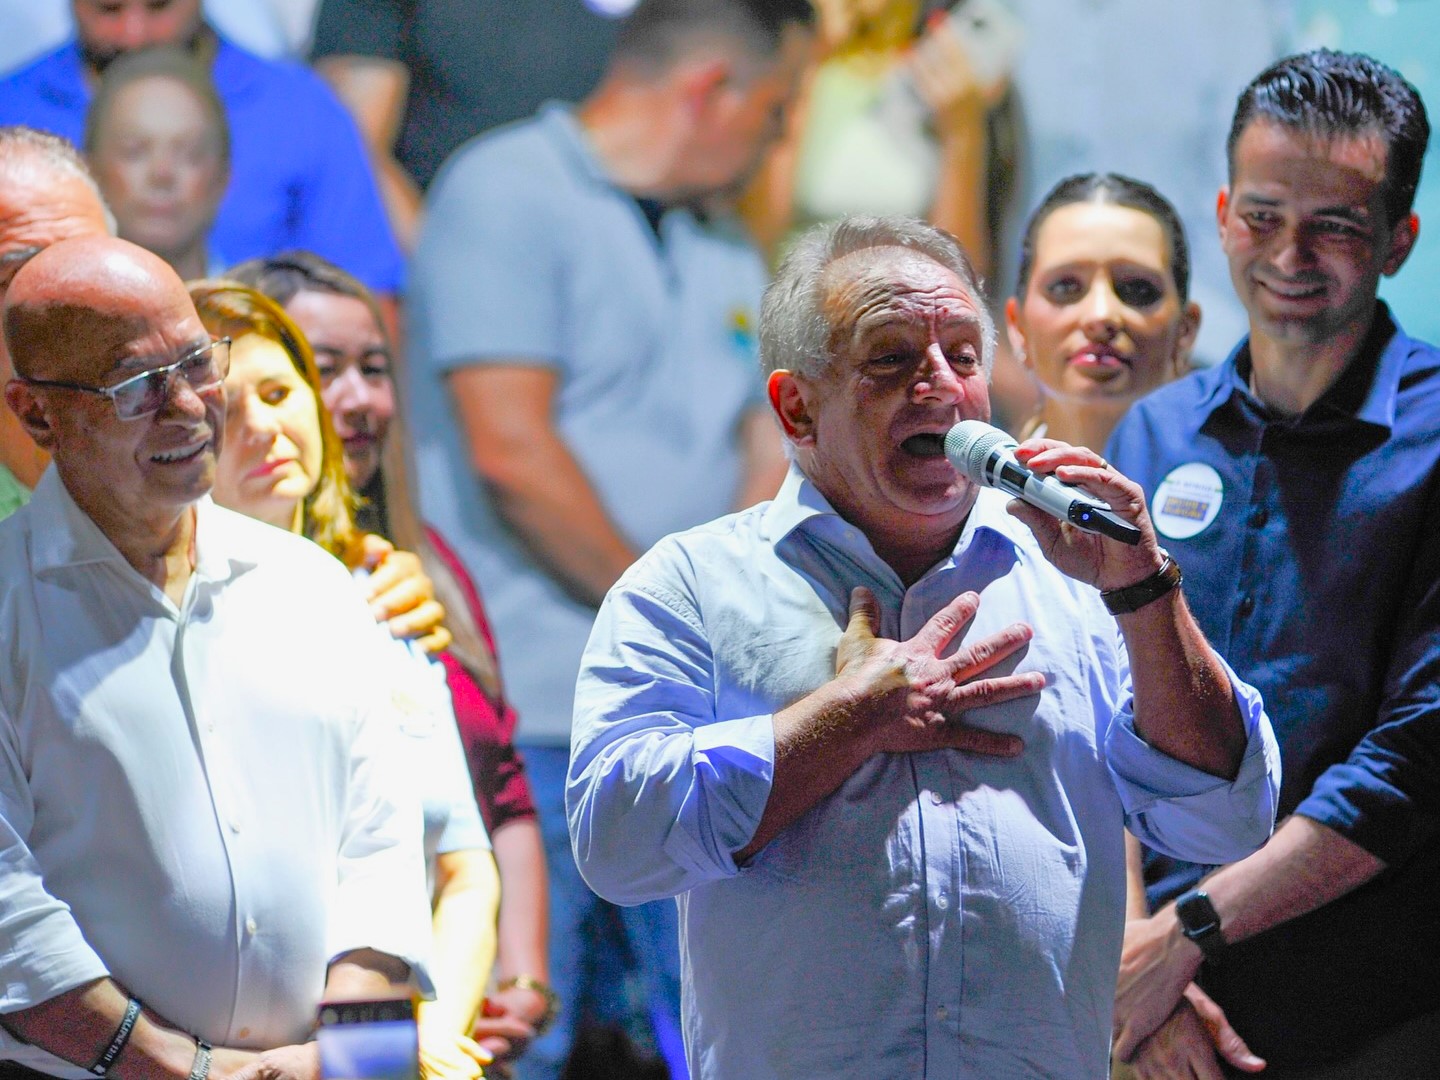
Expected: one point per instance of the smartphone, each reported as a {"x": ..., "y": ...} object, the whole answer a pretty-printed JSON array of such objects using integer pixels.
[
  {"x": 368, "y": 1040},
  {"x": 991, "y": 34}
]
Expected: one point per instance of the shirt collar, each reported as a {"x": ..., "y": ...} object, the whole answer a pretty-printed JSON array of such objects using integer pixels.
[
  {"x": 560, "y": 124},
  {"x": 1367, "y": 390},
  {"x": 799, "y": 501},
  {"x": 63, "y": 535}
]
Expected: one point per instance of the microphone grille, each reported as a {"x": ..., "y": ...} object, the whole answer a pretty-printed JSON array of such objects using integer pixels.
[{"x": 969, "y": 444}]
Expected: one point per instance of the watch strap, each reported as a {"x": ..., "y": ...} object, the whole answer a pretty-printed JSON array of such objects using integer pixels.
[{"x": 1134, "y": 597}]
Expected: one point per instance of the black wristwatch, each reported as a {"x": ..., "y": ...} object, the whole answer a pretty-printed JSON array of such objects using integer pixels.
[{"x": 1200, "y": 922}]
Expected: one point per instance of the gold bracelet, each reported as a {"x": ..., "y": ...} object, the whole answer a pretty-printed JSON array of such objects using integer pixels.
[{"x": 552, "y": 1000}]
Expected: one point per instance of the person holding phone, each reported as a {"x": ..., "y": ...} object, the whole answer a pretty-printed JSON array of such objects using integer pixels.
[{"x": 894, "y": 119}]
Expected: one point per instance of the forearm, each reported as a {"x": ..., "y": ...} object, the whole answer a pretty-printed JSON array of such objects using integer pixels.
[
  {"x": 1136, "y": 904},
  {"x": 818, "y": 745},
  {"x": 79, "y": 1024},
  {"x": 507, "y": 408},
  {"x": 1304, "y": 866},
  {"x": 961, "y": 193},
  {"x": 463, "y": 949},
  {"x": 545, "y": 497},
  {"x": 1185, "y": 706},
  {"x": 524, "y": 912}
]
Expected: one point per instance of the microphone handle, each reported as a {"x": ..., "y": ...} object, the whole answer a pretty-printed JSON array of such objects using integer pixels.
[
  {"x": 1105, "y": 522},
  {"x": 1064, "y": 501}
]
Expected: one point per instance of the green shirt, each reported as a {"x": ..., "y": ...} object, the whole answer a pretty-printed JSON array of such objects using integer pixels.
[{"x": 13, "y": 494}]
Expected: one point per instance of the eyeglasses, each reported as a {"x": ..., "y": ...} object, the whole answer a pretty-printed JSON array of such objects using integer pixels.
[{"x": 141, "y": 395}]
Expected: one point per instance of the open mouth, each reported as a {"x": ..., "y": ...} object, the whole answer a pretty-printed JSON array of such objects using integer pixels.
[{"x": 927, "y": 445}]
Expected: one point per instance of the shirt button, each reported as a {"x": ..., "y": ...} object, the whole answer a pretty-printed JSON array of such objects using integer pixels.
[
  {"x": 251, "y": 926},
  {"x": 1246, "y": 606},
  {"x": 941, "y": 1012},
  {"x": 234, "y": 823},
  {"x": 1258, "y": 517},
  {"x": 942, "y": 901},
  {"x": 243, "y": 1033},
  {"x": 937, "y": 798}
]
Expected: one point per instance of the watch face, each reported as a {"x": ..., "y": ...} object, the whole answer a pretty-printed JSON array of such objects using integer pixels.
[{"x": 1200, "y": 922}]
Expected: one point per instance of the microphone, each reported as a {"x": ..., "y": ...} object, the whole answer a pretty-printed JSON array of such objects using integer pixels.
[{"x": 985, "y": 454}]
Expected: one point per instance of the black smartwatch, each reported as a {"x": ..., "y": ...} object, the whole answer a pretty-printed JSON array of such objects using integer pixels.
[{"x": 1200, "y": 923}]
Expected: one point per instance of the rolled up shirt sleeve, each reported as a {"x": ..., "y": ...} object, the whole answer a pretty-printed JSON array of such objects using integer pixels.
[
  {"x": 42, "y": 952},
  {"x": 1189, "y": 814},
  {"x": 661, "y": 790},
  {"x": 1385, "y": 796}
]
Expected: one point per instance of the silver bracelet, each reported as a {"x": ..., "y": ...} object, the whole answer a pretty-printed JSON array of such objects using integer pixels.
[{"x": 201, "y": 1069}]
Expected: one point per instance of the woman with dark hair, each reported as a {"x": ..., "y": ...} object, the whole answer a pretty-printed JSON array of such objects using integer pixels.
[
  {"x": 282, "y": 463},
  {"x": 353, "y": 355},
  {"x": 1101, "y": 313}
]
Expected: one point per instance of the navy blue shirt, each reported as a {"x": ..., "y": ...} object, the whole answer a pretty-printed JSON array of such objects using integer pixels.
[{"x": 1314, "y": 569}]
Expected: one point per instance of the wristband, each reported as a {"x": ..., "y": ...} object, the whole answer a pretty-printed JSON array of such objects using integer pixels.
[
  {"x": 121, "y": 1037},
  {"x": 1134, "y": 597},
  {"x": 552, "y": 999},
  {"x": 201, "y": 1069}
]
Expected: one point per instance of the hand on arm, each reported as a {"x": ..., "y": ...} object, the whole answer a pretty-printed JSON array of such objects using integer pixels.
[
  {"x": 1304, "y": 866},
  {"x": 537, "y": 484},
  {"x": 401, "y": 595},
  {"x": 1191, "y": 1042},
  {"x": 1184, "y": 703},
  {"x": 889, "y": 697},
  {"x": 375, "y": 89}
]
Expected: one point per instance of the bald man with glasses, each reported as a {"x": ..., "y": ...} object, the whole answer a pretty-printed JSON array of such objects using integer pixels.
[{"x": 200, "y": 827}]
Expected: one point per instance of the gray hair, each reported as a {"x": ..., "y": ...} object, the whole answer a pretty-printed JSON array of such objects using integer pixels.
[
  {"x": 22, "y": 144},
  {"x": 794, "y": 331}
]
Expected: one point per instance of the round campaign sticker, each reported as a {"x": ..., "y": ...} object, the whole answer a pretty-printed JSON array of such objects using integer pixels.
[{"x": 1187, "y": 501}]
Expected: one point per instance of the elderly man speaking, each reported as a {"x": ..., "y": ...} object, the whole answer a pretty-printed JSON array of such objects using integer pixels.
[
  {"x": 880, "y": 737},
  {"x": 201, "y": 832}
]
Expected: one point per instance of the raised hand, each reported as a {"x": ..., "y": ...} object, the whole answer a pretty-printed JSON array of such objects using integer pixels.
[{"x": 1087, "y": 556}]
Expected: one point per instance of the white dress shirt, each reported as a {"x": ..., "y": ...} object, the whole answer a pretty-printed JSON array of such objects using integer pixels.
[
  {"x": 202, "y": 802},
  {"x": 941, "y": 914}
]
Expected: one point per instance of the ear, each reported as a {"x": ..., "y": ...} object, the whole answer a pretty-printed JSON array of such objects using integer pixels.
[
  {"x": 1222, "y": 210},
  {"x": 1015, "y": 334},
  {"x": 1185, "y": 343},
  {"x": 788, "y": 399},
  {"x": 1402, "y": 242},
  {"x": 34, "y": 417},
  {"x": 702, "y": 80}
]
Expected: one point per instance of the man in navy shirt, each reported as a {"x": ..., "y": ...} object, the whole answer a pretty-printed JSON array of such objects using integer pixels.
[{"x": 1297, "y": 484}]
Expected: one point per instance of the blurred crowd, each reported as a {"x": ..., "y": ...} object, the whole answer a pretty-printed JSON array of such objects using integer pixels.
[{"x": 483, "y": 281}]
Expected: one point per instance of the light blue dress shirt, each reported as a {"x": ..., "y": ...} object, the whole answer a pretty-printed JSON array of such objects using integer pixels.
[{"x": 941, "y": 914}]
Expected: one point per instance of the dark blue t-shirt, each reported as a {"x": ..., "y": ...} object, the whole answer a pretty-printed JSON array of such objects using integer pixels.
[{"x": 1311, "y": 552}]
